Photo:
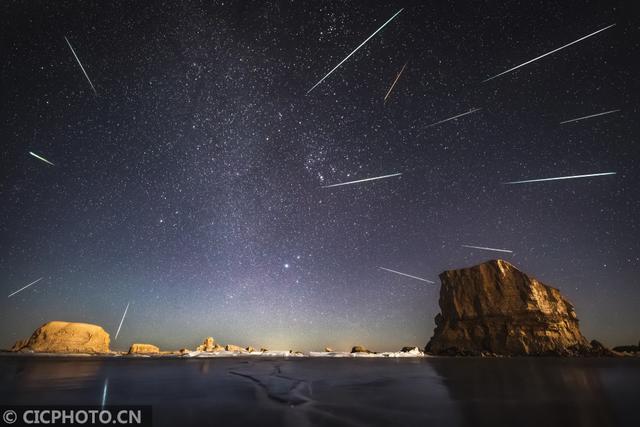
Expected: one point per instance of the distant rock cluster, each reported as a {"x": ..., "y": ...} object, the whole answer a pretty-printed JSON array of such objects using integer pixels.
[{"x": 210, "y": 345}]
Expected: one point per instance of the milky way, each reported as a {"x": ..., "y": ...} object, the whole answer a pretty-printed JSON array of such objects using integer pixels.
[{"x": 191, "y": 187}]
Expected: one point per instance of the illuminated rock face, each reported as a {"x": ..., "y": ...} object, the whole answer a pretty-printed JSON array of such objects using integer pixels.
[
  {"x": 67, "y": 337},
  {"x": 495, "y": 308},
  {"x": 207, "y": 345},
  {"x": 138, "y": 348}
]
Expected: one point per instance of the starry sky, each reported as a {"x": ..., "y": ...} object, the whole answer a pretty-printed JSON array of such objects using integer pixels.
[{"x": 190, "y": 185}]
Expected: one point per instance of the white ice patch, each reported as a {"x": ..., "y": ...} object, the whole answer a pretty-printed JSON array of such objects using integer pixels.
[
  {"x": 412, "y": 353},
  {"x": 285, "y": 353}
]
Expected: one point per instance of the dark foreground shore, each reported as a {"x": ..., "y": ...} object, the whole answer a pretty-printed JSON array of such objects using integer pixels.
[{"x": 338, "y": 392}]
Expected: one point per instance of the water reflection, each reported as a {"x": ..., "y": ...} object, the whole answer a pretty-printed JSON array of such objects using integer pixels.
[
  {"x": 531, "y": 392},
  {"x": 433, "y": 391}
]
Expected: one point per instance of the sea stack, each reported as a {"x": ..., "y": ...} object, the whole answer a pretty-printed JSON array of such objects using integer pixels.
[
  {"x": 66, "y": 337},
  {"x": 497, "y": 309}
]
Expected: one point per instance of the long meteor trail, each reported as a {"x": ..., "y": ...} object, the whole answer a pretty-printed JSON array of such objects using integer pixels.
[
  {"x": 40, "y": 158},
  {"x": 473, "y": 110},
  {"x": 394, "y": 82},
  {"x": 557, "y": 178},
  {"x": 589, "y": 116},
  {"x": 81, "y": 67},
  {"x": 405, "y": 274},
  {"x": 548, "y": 53},
  {"x": 362, "y": 180},
  {"x": 484, "y": 248},
  {"x": 355, "y": 50},
  {"x": 121, "y": 320},
  {"x": 25, "y": 287}
]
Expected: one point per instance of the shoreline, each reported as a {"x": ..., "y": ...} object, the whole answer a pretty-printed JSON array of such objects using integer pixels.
[{"x": 284, "y": 355}]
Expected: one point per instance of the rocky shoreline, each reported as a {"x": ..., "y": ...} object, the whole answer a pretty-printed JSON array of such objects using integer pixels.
[{"x": 489, "y": 310}]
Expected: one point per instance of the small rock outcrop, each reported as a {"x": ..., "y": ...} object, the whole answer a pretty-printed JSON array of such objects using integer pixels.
[
  {"x": 360, "y": 349},
  {"x": 19, "y": 345},
  {"x": 408, "y": 349},
  {"x": 66, "y": 337},
  {"x": 627, "y": 348},
  {"x": 138, "y": 348},
  {"x": 234, "y": 348},
  {"x": 597, "y": 349},
  {"x": 328, "y": 350},
  {"x": 207, "y": 345},
  {"x": 497, "y": 309}
]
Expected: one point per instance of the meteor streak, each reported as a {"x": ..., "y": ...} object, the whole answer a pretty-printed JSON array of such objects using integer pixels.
[
  {"x": 81, "y": 67},
  {"x": 121, "y": 320},
  {"x": 355, "y": 50},
  {"x": 407, "y": 275},
  {"x": 25, "y": 287},
  {"x": 104, "y": 391},
  {"x": 557, "y": 178},
  {"x": 548, "y": 53},
  {"x": 362, "y": 180},
  {"x": 454, "y": 117},
  {"x": 394, "y": 82},
  {"x": 590, "y": 116},
  {"x": 487, "y": 249},
  {"x": 41, "y": 158}
]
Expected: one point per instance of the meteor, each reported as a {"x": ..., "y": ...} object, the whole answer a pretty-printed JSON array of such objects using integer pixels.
[
  {"x": 121, "y": 320},
  {"x": 590, "y": 116},
  {"x": 473, "y": 110},
  {"x": 394, "y": 82},
  {"x": 40, "y": 158},
  {"x": 104, "y": 391},
  {"x": 81, "y": 67},
  {"x": 25, "y": 287},
  {"x": 355, "y": 50},
  {"x": 557, "y": 178},
  {"x": 407, "y": 275},
  {"x": 548, "y": 53},
  {"x": 362, "y": 180},
  {"x": 487, "y": 249}
]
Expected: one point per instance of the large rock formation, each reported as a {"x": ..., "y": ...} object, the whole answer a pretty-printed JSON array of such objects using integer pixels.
[
  {"x": 66, "y": 337},
  {"x": 496, "y": 308}
]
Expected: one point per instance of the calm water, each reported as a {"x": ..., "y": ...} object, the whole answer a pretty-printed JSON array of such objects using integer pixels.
[{"x": 340, "y": 392}]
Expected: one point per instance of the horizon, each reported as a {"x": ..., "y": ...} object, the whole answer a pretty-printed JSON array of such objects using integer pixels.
[{"x": 285, "y": 343}]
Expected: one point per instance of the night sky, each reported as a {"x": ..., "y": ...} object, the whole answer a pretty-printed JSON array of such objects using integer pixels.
[{"x": 191, "y": 186}]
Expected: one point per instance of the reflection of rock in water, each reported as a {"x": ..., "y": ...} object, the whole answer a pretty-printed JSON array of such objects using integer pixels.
[
  {"x": 55, "y": 373},
  {"x": 338, "y": 392},
  {"x": 33, "y": 379},
  {"x": 527, "y": 392}
]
